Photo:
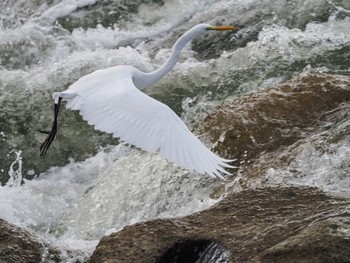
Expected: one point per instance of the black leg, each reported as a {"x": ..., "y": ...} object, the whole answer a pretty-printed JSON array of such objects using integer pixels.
[{"x": 51, "y": 134}]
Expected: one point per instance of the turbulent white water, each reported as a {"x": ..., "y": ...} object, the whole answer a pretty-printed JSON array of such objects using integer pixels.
[
  {"x": 73, "y": 205},
  {"x": 327, "y": 170}
]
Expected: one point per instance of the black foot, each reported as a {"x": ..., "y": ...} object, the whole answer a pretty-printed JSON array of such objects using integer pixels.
[
  {"x": 50, "y": 134},
  {"x": 41, "y": 131},
  {"x": 49, "y": 139}
]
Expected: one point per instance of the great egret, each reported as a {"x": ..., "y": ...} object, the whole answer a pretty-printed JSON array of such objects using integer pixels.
[{"x": 111, "y": 100}]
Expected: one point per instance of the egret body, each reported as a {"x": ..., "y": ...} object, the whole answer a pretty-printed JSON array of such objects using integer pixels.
[{"x": 111, "y": 100}]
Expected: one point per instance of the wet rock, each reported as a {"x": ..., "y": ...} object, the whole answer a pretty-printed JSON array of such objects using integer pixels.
[
  {"x": 18, "y": 246},
  {"x": 322, "y": 241},
  {"x": 274, "y": 118},
  {"x": 259, "y": 224}
]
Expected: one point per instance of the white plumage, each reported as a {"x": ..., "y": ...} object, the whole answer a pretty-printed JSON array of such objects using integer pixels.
[{"x": 111, "y": 101}]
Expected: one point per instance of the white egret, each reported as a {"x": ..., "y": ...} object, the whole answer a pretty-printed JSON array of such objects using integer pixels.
[{"x": 112, "y": 101}]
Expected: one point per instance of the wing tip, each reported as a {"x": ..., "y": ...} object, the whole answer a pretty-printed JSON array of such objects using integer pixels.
[{"x": 220, "y": 170}]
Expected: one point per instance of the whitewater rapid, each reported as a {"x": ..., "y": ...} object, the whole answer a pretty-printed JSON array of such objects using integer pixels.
[{"x": 89, "y": 185}]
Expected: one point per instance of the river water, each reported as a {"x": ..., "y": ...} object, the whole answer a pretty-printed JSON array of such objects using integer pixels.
[{"x": 87, "y": 185}]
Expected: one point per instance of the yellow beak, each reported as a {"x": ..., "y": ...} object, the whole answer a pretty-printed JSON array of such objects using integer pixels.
[{"x": 222, "y": 28}]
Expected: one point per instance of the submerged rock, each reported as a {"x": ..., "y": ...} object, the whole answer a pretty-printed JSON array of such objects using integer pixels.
[
  {"x": 18, "y": 246},
  {"x": 263, "y": 130},
  {"x": 106, "y": 13}
]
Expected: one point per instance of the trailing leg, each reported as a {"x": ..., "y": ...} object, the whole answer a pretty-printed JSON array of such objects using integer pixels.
[{"x": 51, "y": 134}]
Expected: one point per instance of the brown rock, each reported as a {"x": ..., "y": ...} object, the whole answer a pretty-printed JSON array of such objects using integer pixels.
[
  {"x": 267, "y": 120},
  {"x": 322, "y": 241},
  {"x": 249, "y": 224},
  {"x": 18, "y": 246}
]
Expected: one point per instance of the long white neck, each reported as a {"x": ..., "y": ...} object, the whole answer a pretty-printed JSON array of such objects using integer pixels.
[{"x": 153, "y": 77}]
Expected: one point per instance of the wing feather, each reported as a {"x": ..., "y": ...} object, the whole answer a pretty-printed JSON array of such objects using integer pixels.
[{"x": 114, "y": 105}]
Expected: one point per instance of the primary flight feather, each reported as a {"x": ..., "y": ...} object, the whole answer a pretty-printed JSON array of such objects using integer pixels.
[{"x": 112, "y": 101}]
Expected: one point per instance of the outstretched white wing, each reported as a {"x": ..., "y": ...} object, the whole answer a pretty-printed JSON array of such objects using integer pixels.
[{"x": 114, "y": 105}]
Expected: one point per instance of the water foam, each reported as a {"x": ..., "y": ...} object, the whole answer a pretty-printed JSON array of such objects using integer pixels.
[
  {"x": 75, "y": 205},
  {"x": 326, "y": 169},
  {"x": 137, "y": 187}
]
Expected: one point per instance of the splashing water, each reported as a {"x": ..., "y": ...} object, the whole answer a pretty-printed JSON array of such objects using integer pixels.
[
  {"x": 75, "y": 205},
  {"x": 15, "y": 174},
  {"x": 325, "y": 169}
]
